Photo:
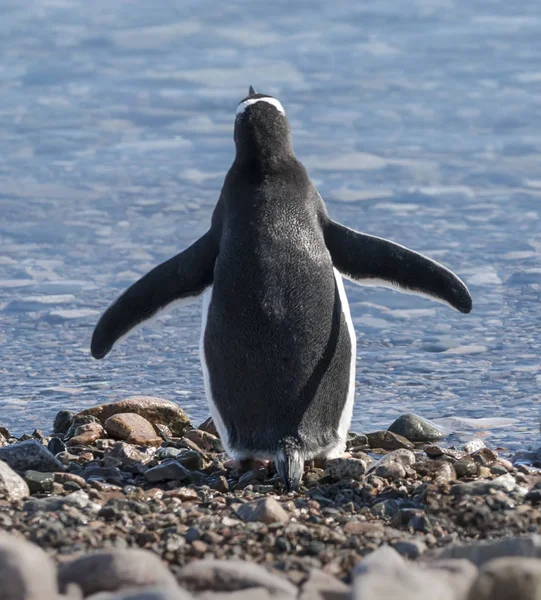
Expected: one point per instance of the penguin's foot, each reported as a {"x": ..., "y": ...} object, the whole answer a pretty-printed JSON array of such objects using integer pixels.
[{"x": 246, "y": 464}]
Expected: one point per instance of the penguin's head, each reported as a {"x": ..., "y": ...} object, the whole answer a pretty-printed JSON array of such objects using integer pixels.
[{"x": 262, "y": 130}]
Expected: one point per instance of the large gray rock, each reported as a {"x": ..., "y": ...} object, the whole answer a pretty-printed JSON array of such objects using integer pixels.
[
  {"x": 231, "y": 576},
  {"x": 30, "y": 454},
  {"x": 385, "y": 574},
  {"x": 416, "y": 429},
  {"x": 481, "y": 552},
  {"x": 12, "y": 486},
  {"x": 26, "y": 572},
  {"x": 145, "y": 593},
  {"x": 508, "y": 578},
  {"x": 118, "y": 569}
]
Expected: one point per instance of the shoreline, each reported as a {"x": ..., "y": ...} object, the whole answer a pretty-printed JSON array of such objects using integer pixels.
[{"x": 136, "y": 474}]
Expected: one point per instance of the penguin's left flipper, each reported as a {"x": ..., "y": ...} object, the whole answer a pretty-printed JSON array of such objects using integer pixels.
[
  {"x": 180, "y": 279},
  {"x": 370, "y": 260}
]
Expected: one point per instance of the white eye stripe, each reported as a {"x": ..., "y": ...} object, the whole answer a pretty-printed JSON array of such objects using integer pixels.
[{"x": 244, "y": 105}]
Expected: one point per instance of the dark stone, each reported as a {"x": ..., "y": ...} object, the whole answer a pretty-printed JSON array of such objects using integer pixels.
[
  {"x": 62, "y": 421},
  {"x": 387, "y": 440},
  {"x": 56, "y": 445},
  {"x": 416, "y": 429},
  {"x": 39, "y": 483},
  {"x": 30, "y": 454}
]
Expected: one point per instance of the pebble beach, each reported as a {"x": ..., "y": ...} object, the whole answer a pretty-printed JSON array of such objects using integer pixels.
[{"x": 130, "y": 500}]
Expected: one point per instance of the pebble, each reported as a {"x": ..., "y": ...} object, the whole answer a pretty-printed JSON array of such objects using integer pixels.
[
  {"x": 117, "y": 569},
  {"x": 508, "y": 578},
  {"x": 205, "y": 440},
  {"x": 78, "y": 499},
  {"x": 473, "y": 446},
  {"x": 231, "y": 576},
  {"x": 133, "y": 428},
  {"x": 26, "y": 572},
  {"x": 154, "y": 410},
  {"x": 387, "y": 440},
  {"x": 159, "y": 592},
  {"x": 30, "y": 454},
  {"x": 127, "y": 455},
  {"x": 391, "y": 470},
  {"x": 346, "y": 468},
  {"x": 12, "y": 486},
  {"x": 411, "y": 549},
  {"x": 466, "y": 467},
  {"x": 267, "y": 510},
  {"x": 56, "y": 445},
  {"x": 167, "y": 471},
  {"x": 323, "y": 586},
  {"x": 503, "y": 482},
  {"x": 402, "y": 456},
  {"x": 416, "y": 429}
]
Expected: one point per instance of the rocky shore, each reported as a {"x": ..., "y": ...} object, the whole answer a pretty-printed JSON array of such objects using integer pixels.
[{"x": 128, "y": 501}]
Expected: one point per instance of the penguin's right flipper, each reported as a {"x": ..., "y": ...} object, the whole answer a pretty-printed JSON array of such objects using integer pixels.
[
  {"x": 370, "y": 260},
  {"x": 180, "y": 279}
]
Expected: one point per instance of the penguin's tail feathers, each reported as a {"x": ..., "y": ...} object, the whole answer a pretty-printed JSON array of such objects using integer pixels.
[{"x": 289, "y": 462}]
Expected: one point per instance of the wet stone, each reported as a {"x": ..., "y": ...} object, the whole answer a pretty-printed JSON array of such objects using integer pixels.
[
  {"x": 125, "y": 455},
  {"x": 30, "y": 454},
  {"x": 466, "y": 467},
  {"x": 356, "y": 441},
  {"x": 204, "y": 440},
  {"x": 56, "y": 445},
  {"x": 403, "y": 456},
  {"x": 82, "y": 423},
  {"x": 387, "y": 440},
  {"x": 209, "y": 427},
  {"x": 473, "y": 446},
  {"x": 416, "y": 429},
  {"x": 190, "y": 459},
  {"x": 485, "y": 457}
]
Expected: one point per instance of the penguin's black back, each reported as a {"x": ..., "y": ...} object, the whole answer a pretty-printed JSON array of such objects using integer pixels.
[{"x": 275, "y": 341}]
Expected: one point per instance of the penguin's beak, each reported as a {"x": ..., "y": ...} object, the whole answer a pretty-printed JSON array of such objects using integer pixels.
[{"x": 251, "y": 91}]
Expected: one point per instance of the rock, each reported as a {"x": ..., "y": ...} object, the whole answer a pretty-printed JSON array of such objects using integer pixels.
[
  {"x": 507, "y": 483},
  {"x": 231, "y": 576},
  {"x": 81, "y": 424},
  {"x": 85, "y": 438},
  {"x": 266, "y": 510},
  {"x": 132, "y": 428},
  {"x": 445, "y": 472},
  {"x": 506, "y": 578},
  {"x": 410, "y": 548},
  {"x": 106, "y": 474},
  {"x": 64, "y": 478},
  {"x": 62, "y": 421},
  {"x": 79, "y": 499},
  {"x": 209, "y": 426},
  {"x": 485, "y": 457},
  {"x": 322, "y": 586},
  {"x": 30, "y": 455},
  {"x": 12, "y": 486},
  {"x": 459, "y": 574},
  {"x": 434, "y": 451},
  {"x": 391, "y": 470},
  {"x": 205, "y": 441},
  {"x": 145, "y": 593},
  {"x": 56, "y": 445},
  {"x": 356, "y": 441},
  {"x": 117, "y": 569},
  {"x": 387, "y": 440},
  {"x": 481, "y": 552},
  {"x": 126, "y": 455},
  {"x": 345, "y": 468},
  {"x": 26, "y": 572},
  {"x": 168, "y": 471},
  {"x": 257, "y": 593},
  {"x": 190, "y": 459},
  {"x": 416, "y": 429},
  {"x": 466, "y": 467},
  {"x": 154, "y": 410},
  {"x": 384, "y": 574},
  {"x": 473, "y": 446},
  {"x": 405, "y": 457},
  {"x": 39, "y": 483}
]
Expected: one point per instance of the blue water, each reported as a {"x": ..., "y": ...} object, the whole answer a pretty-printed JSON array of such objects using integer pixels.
[{"x": 418, "y": 121}]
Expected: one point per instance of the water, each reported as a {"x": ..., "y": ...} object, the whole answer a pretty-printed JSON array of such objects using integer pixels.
[{"x": 418, "y": 121}]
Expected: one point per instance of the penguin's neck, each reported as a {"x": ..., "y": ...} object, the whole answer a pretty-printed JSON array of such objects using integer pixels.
[{"x": 262, "y": 148}]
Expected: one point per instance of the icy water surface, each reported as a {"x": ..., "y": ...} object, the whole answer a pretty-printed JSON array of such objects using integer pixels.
[{"x": 419, "y": 121}]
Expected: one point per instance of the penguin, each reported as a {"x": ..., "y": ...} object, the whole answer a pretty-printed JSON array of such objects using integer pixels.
[{"x": 277, "y": 344}]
